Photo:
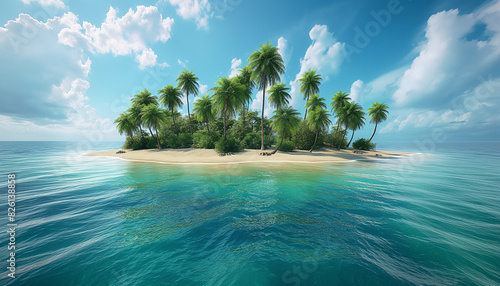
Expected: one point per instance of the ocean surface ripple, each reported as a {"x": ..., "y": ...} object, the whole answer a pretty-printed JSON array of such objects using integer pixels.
[{"x": 425, "y": 219}]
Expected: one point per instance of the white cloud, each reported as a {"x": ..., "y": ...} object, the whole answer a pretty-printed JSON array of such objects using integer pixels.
[
  {"x": 257, "y": 105},
  {"x": 325, "y": 54},
  {"x": 119, "y": 36},
  {"x": 203, "y": 89},
  {"x": 199, "y": 10},
  {"x": 449, "y": 58},
  {"x": 50, "y": 98},
  {"x": 53, "y": 3},
  {"x": 235, "y": 65},
  {"x": 181, "y": 63},
  {"x": 358, "y": 91},
  {"x": 147, "y": 58},
  {"x": 283, "y": 49}
]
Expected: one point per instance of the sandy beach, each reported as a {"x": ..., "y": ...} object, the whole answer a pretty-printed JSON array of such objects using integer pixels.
[{"x": 210, "y": 156}]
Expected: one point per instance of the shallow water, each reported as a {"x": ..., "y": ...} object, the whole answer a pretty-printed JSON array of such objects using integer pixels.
[{"x": 425, "y": 219}]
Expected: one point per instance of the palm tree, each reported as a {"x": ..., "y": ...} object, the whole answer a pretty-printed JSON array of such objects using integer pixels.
[
  {"x": 285, "y": 120},
  {"x": 170, "y": 97},
  {"x": 245, "y": 78},
  {"x": 318, "y": 120},
  {"x": 315, "y": 102},
  {"x": 279, "y": 96},
  {"x": 356, "y": 121},
  {"x": 338, "y": 102},
  {"x": 378, "y": 113},
  {"x": 203, "y": 109},
  {"x": 125, "y": 124},
  {"x": 153, "y": 116},
  {"x": 188, "y": 83},
  {"x": 135, "y": 113},
  {"x": 228, "y": 96},
  {"x": 309, "y": 84},
  {"x": 266, "y": 65},
  {"x": 144, "y": 98},
  {"x": 349, "y": 113}
]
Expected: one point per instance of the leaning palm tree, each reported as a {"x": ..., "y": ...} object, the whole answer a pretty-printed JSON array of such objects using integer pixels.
[
  {"x": 188, "y": 83},
  {"x": 135, "y": 113},
  {"x": 285, "y": 120},
  {"x": 315, "y": 102},
  {"x": 170, "y": 97},
  {"x": 153, "y": 117},
  {"x": 228, "y": 96},
  {"x": 144, "y": 98},
  {"x": 318, "y": 120},
  {"x": 125, "y": 124},
  {"x": 356, "y": 121},
  {"x": 279, "y": 96},
  {"x": 267, "y": 66},
  {"x": 349, "y": 113},
  {"x": 309, "y": 84},
  {"x": 338, "y": 102},
  {"x": 378, "y": 113},
  {"x": 203, "y": 109}
]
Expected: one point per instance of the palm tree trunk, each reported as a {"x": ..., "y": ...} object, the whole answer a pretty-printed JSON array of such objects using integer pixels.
[
  {"x": 281, "y": 142},
  {"x": 315, "y": 139},
  {"x": 175, "y": 126},
  {"x": 208, "y": 127},
  {"x": 373, "y": 132},
  {"x": 189, "y": 114},
  {"x": 262, "y": 118},
  {"x": 151, "y": 132},
  {"x": 351, "y": 139},
  {"x": 305, "y": 114},
  {"x": 225, "y": 114},
  {"x": 338, "y": 128},
  {"x": 343, "y": 135},
  {"x": 157, "y": 138}
]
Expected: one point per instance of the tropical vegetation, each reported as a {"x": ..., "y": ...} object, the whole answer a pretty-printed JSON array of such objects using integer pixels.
[{"x": 222, "y": 119}]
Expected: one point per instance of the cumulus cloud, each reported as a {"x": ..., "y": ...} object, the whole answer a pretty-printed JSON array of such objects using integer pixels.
[
  {"x": 147, "y": 58},
  {"x": 45, "y": 89},
  {"x": 325, "y": 54},
  {"x": 29, "y": 95},
  {"x": 283, "y": 49},
  {"x": 199, "y": 10},
  {"x": 358, "y": 91},
  {"x": 119, "y": 35},
  {"x": 451, "y": 56},
  {"x": 235, "y": 65},
  {"x": 53, "y": 3}
]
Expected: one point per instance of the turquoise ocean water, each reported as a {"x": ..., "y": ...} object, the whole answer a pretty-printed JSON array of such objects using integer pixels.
[{"x": 425, "y": 219}]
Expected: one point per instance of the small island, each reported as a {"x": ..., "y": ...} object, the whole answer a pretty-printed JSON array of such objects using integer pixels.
[
  {"x": 224, "y": 130},
  {"x": 207, "y": 156}
]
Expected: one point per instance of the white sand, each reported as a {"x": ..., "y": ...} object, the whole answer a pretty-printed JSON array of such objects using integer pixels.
[{"x": 209, "y": 156}]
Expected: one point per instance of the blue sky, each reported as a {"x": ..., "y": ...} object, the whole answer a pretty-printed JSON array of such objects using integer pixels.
[{"x": 68, "y": 68}]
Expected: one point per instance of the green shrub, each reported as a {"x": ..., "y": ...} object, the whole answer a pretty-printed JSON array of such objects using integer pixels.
[
  {"x": 287, "y": 146},
  {"x": 168, "y": 139},
  {"x": 334, "y": 138},
  {"x": 363, "y": 144},
  {"x": 269, "y": 141},
  {"x": 185, "y": 140},
  {"x": 204, "y": 139},
  {"x": 251, "y": 141},
  {"x": 303, "y": 137},
  {"x": 226, "y": 145},
  {"x": 140, "y": 142}
]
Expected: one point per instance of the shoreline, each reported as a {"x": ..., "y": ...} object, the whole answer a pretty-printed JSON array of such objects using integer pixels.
[{"x": 190, "y": 156}]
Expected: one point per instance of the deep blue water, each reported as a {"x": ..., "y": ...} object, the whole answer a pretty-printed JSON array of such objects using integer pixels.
[{"x": 425, "y": 219}]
